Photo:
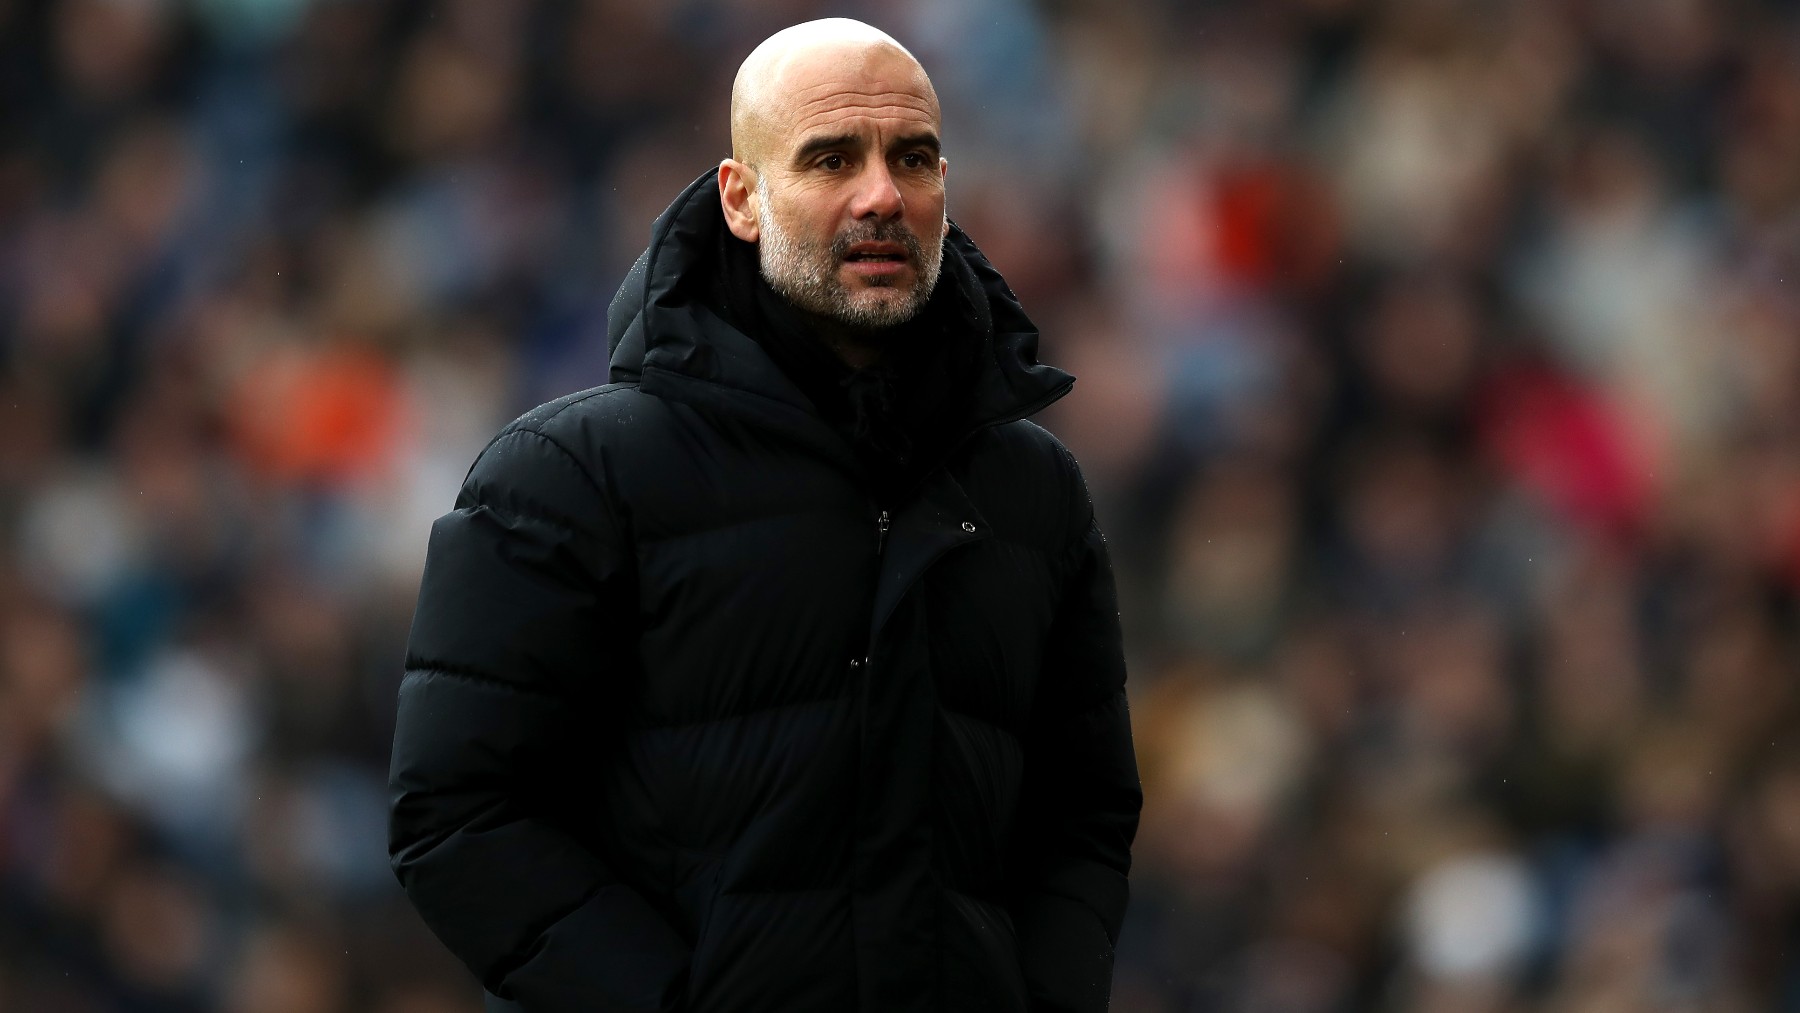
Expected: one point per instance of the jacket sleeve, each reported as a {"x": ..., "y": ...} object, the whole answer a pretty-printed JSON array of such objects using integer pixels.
[
  {"x": 526, "y": 595},
  {"x": 1080, "y": 798}
]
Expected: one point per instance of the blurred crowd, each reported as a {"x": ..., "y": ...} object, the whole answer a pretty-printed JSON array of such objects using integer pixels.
[{"x": 1439, "y": 388}]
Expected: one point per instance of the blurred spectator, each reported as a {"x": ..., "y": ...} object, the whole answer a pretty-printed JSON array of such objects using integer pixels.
[{"x": 1440, "y": 392}]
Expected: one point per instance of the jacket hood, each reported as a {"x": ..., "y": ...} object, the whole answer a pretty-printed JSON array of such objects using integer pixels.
[{"x": 664, "y": 333}]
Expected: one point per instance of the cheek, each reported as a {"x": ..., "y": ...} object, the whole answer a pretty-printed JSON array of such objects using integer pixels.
[
  {"x": 806, "y": 215},
  {"x": 926, "y": 213}
]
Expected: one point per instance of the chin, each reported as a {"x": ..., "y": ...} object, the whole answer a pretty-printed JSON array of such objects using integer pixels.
[{"x": 881, "y": 318}]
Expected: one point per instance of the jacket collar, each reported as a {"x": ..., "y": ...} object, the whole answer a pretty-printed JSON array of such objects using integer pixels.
[{"x": 666, "y": 336}]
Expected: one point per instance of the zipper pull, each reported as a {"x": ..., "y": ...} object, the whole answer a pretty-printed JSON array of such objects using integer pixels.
[{"x": 881, "y": 530}]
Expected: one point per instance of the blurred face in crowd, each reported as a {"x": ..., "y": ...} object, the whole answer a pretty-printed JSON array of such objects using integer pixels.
[{"x": 836, "y": 174}]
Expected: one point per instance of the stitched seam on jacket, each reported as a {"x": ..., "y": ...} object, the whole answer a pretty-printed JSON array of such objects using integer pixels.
[
  {"x": 530, "y": 509},
  {"x": 430, "y": 669},
  {"x": 586, "y": 474},
  {"x": 582, "y": 469},
  {"x": 731, "y": 522},
  {"x": 517, "y": 425},
  {"x": 964, "y": 715},
  {"x": 745, "y": 391},
  {"x": 739, "y": 715},
  {"x": 540, "y": 934},
  {"x": 600, "y": 391},
  {"x": 416, "y": 853},
  {"x": 606, "y": 504}
]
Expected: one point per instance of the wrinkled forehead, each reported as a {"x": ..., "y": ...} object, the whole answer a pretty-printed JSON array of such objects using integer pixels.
[{"x": 848, "y": 88}]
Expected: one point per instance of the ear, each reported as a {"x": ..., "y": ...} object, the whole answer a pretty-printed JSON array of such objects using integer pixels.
[
  {"x": 944, "y": 174},
  {"x": 737, "y": 198}
]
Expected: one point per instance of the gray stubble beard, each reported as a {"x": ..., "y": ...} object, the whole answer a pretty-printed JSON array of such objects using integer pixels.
[{"x": 805, "y": 273}]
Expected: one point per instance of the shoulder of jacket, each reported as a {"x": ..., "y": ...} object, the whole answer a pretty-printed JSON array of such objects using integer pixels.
[
  {"x": 1028, "y": 456},
  {"x": 573, "y": 409},
  {"x": 585, "y": 422},
  {"x": 1026, "y": 439},
  {"x": 549, "y": 461},
  {"x": 562, "y": 429}
]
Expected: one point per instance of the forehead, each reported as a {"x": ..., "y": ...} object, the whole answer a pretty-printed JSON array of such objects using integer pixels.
[{"x": 870, "y": 90}]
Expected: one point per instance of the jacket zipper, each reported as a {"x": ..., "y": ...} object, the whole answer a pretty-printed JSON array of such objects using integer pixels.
[{"x": 882, "y": 522}]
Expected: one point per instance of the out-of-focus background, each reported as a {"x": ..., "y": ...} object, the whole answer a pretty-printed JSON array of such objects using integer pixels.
[{"x": 1440, "y": 392}]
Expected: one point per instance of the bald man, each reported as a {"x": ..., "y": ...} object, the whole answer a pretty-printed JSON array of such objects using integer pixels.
[{"x": 782, "y": 672}]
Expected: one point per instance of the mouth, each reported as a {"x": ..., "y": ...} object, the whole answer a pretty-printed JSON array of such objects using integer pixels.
[
  {"x": 876, "y": 253},
  {"x": 876, "y": 258}
]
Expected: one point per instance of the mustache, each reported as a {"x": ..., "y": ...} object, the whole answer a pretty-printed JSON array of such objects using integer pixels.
[{"x": 878, "y": 232}]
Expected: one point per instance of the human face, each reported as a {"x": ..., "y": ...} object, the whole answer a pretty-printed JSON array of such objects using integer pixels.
[
  {"x": 851, "y": 211},
  {"x": 810, "y": 273}
]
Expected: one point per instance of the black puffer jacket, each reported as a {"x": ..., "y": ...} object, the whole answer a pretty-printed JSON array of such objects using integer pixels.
[{"x": 692, "y": 721}]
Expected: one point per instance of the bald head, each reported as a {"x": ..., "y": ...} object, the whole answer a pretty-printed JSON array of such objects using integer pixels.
[
  {"x": 806, "y": 62},
  {"x": 837, "y": 177}
]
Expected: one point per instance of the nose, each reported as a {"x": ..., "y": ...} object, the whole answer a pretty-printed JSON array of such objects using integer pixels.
[{"x": 876, "y": 195}]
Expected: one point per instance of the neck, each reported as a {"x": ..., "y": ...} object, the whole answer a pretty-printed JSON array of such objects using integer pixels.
[{"x": 856, "y": 347}]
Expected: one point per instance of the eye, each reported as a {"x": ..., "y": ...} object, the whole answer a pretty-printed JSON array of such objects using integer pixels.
[
  {"x": 913, "y": 160},
  {"x": 831, "y": 163}
]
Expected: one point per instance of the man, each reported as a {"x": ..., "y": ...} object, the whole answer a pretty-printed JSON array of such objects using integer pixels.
[{"x": 782, "y": 673}]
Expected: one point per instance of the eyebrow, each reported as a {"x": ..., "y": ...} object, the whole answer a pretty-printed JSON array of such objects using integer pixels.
[
  {"x": 926, "y": 140},
  {"x": 819, "y": 145}
]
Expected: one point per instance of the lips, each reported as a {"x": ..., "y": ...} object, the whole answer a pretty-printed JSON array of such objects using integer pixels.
[{"x": 876, "y": 252}]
